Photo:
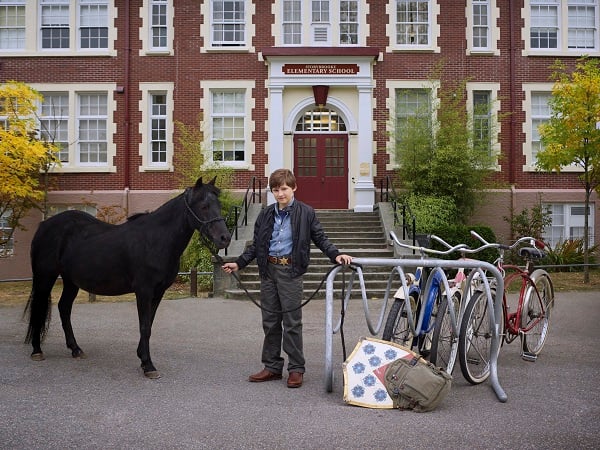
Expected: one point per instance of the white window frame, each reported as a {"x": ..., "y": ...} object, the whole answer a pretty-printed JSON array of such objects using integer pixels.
[
  {"x": 74, "y": 90},
  {"x": 145, "y": 126},
  {"x": 54, "y": 122},
  {"x": 557, "y": 233},
  {"x": 393, "y": 87},
  {"x": 206, "y": 29},
  {"x": 494, "y": 90},
  {"x": 8, "y": 248},
  {"x": 493, "y": 31},
  {"x": 94, "y": 138},
  {"x": 93, "y": 14},
  {"x": 562, "y": 27},
  {"x": 13, "y": 32},
  {"x": 433, "y": 31},
  {"x": 208, "y": 87},
  {"x": 322, "y": 32},
  {"x": 147, "y": 30},
  {"x": 33, "y": 35}
]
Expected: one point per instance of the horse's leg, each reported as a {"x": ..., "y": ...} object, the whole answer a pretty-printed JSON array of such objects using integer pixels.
[
  {"x": 65, "y": 305},
  {"x": 145, "y": 316}
]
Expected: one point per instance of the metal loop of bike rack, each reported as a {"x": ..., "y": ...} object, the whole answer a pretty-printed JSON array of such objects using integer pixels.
[{"x": 481, "y": 268}]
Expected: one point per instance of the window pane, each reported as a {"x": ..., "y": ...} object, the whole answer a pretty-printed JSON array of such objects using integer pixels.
[
  {"x": 412, "y": 19},
  {"x": 12, "y": 26}
]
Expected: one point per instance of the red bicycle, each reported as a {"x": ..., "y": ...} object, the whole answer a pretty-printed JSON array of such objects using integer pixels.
[{"x": 528, "y": 320}]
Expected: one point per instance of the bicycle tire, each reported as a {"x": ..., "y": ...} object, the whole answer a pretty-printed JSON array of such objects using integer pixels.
[
  {"x": 537, "y": 308},
  {"x": 444, "y": 346},
  {"x": 397, "y": 328},
  {"x": 475, "y": 339}
]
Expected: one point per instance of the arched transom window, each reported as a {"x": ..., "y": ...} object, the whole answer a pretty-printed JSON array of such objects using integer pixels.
[{"x": 321, "y": 120}]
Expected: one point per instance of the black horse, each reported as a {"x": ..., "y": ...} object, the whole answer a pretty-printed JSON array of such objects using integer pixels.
[{"x": 141, "y": 255}]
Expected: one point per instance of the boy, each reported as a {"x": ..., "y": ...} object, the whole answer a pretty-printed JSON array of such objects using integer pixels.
[{"x": 282, "y": 235}]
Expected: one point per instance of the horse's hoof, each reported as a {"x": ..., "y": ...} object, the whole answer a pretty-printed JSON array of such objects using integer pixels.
[
  {"x": 79, "y": 355},
  {"x": 152, "y": 374},
  {"x": 38, "y": 356}
]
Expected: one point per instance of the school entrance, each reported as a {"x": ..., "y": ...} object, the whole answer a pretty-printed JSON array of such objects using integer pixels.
[{"x": 321, "y": 160}]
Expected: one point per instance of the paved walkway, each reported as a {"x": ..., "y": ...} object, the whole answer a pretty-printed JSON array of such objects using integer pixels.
[{"x": 206, "y": 348}]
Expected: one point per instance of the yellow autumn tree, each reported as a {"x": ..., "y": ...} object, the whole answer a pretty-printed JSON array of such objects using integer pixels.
[{"x": 22, "y": 156}]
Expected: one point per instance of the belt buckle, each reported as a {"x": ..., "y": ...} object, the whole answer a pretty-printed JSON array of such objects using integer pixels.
[{"x": 283, "y": 261}]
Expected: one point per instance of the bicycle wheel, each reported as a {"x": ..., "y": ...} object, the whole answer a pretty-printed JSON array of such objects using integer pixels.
[
  {"x": 444, "y": 347},
  {"x": 397, "y": 328},
  {"x": 475, "y": 340},
  {"x": 535, "y": 314}
]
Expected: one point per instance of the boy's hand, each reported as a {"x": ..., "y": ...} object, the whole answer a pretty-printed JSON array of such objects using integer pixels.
[
  {"x": 343, "y": 259},
  {"x": 230, "y": 267}
]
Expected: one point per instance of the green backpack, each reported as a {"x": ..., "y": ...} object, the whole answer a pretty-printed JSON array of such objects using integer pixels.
[{"x": 416, "y": 384}]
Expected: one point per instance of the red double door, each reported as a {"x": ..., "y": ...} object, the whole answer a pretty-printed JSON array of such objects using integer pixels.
[{"x": 321, "y": 169}]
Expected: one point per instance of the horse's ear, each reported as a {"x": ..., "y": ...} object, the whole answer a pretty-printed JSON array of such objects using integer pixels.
[
  {"x": 213, "y": 180},
  {"x": 198, "y": 183}
]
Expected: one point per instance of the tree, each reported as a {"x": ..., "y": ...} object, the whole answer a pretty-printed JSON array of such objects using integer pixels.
[
  {"x": 22, "y": 156},
  {"x": 571, "y": 136},
  {"x": 443, "y": 152}
]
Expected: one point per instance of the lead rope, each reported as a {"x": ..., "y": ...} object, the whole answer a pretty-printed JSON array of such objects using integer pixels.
[{"x": 220, "y": 260}]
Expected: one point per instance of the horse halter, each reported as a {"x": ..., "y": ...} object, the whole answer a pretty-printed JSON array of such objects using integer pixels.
[{"x": 203, "y": 223}]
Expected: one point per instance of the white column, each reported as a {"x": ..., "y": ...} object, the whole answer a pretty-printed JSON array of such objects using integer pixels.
[
  {"x": 364, "y": 188},
  {"x": 275, "y": 150}
]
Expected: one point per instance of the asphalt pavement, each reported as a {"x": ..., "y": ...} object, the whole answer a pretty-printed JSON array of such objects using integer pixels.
[{"x": 206, "y": 348}]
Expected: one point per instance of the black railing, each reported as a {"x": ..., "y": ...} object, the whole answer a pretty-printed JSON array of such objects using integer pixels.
[
  {"x": 253, "y": 195},
  {"x": 387, "y": 193}
]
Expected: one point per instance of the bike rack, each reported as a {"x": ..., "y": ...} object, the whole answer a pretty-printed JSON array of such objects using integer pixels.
[{"x": 398, "y": 265}]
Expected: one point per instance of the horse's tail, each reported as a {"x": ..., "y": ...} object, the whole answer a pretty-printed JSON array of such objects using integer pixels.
[{"x": 40, "y": 313}]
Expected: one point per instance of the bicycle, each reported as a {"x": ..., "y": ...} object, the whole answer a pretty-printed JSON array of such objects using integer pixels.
[
  {"x": 529, "y": 321},
  {"x": 426, "y": 303}
]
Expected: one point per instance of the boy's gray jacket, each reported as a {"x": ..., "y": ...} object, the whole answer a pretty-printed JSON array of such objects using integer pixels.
[{"x": 305, "y": 228}]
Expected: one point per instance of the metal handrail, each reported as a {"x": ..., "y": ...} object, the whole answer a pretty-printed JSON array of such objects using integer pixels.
[
  {"x": 250, "y": 197},
  {"x": 390, "y": 195}
]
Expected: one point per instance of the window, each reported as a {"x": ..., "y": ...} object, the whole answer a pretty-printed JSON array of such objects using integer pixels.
[
  {"x": 481, "y": 24},
  {"x": 413, "y": 111},
  {"x": 320, "y": 23},
  {"x": 55, "y": 24},
  {"x": 93, "y": 27},
  {"x": 228, "y": 125},
  {"x": 292, "y": 22},
  {"x": 54, "y": 122},
  {"x": 92, "y": 129},
  {"x": 482, "y": 120},
  {"x": 158, "y": 131},
  {"x": 412, "y": 22},
  {"x": 568, "y": 223},
  {"x": 568, "y": 25},
  {"x": 6, "y": 235},
  {"x": 12, "y": 25},
  {"x": 53, "y": 210},
  {"x": 540, "y": 113},
  {"x": 349, "y": 22},
  {"x": 158, "y": 29},
  {"x": 321, "y": 120},
  {"x": 228, "y": 23}
]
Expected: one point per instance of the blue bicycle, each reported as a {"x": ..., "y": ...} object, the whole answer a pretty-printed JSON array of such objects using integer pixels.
[{"x": 418, "y": 318}]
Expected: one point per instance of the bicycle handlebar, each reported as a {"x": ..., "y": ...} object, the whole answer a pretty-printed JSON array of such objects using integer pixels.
[
  {"x": 423, "y": 250},
  {"x": 532, "y": 241}
]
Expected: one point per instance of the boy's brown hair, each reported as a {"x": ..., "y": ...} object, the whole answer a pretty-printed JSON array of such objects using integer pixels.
[{"x": 281, "y": 177}]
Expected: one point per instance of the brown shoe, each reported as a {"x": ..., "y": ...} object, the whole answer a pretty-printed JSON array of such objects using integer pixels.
[
  {"x": 264, "y": 375},
  {"x": 295, "y": 380}
]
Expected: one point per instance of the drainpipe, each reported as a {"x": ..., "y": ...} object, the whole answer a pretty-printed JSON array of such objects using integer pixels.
[
  {"x": 512, "y": 151},
  {"x": 126, "y": 150}
]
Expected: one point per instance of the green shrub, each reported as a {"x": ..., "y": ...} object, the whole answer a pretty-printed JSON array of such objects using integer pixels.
[
  {"x": 455, "y": 234},
  {"x": 432, "y": 213},
  {"x": 569, "y": 253}
]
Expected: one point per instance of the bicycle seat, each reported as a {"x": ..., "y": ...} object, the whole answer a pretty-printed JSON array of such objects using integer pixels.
[{"x": 531, "y": 253}]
